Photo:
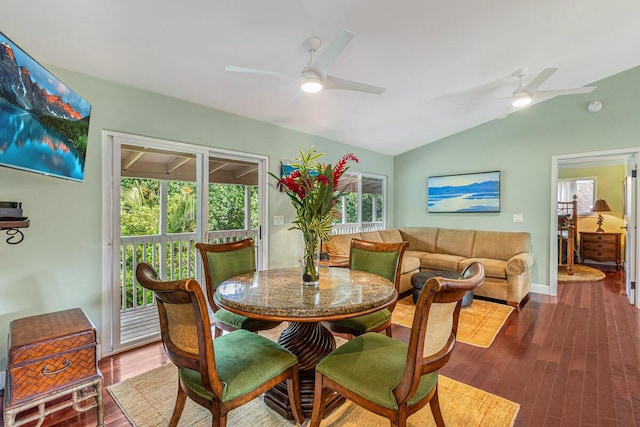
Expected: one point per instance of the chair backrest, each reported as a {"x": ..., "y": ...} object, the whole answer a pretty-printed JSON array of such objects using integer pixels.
[
  {"x": 435, "y": 325},
  {"x": 184, "y": 324},
  {"x": 224, "y": 260},
  {"x": 383, "y": 259}
]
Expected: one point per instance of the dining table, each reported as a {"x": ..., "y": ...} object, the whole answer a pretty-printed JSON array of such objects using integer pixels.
[{"x": 280, "y": 295}]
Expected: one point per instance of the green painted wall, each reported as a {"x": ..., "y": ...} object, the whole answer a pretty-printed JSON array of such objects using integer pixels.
[
  {"x": 521, "y": 147},
  {"x": 59, "y": 264}
]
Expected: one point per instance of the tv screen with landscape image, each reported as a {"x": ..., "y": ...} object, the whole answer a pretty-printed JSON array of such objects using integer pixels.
[{"x": 44, "y": 125}]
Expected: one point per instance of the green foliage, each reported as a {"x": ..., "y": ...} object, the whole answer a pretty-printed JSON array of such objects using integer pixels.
[
  {"x": 181, "y": 213},
  {"x": 74, "y": 130},
  {"x": 140, "y": 216},
  {"x": 226, "y": 207}
]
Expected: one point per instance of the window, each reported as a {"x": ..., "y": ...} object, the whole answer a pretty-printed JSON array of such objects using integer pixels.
[
  {"x": 362, "y": 206},
  {"x": 584, "y": 188}
]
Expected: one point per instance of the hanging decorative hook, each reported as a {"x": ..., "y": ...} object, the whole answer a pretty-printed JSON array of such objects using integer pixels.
[{"x": 15, "y": 236}]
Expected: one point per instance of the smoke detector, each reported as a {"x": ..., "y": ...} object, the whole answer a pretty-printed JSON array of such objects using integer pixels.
[{"x": 594, "y": 106}]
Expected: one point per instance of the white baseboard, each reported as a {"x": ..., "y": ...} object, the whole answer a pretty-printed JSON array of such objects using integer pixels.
[
  {"x": 1, "y": 380},
  {"x": 540, "y": 289}
]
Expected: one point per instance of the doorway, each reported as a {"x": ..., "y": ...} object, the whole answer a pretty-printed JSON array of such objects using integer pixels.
[
  {"x": 627, "y": 192},
  {"x": 161, "y": 198}
]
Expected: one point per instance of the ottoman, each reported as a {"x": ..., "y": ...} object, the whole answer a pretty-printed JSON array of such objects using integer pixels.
[{"x": 419, "y": 279}]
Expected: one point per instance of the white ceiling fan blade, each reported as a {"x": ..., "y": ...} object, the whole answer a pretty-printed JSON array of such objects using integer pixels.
[
  {"x": 574, "y": 91},
  {"x": 534, "y": 84},
  {"x": 236, "y": 69},
  {"x": 331, "y": 82},
  {"x": 331, "y": 52}
]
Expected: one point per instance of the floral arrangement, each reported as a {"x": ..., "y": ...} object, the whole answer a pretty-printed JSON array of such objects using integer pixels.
[{"x": 312, "y": 188}]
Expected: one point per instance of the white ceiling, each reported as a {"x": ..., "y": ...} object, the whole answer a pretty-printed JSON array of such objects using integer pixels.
[{"x": 431, "y": 56}]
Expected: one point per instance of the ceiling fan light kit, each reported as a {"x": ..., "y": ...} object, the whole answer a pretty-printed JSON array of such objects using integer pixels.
[
  {"x": 311, "y": 83},
  {"x": 521, "y": 100}
]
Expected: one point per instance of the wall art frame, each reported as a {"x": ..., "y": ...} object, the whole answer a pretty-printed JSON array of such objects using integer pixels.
[{"x": 470, "y": 192}]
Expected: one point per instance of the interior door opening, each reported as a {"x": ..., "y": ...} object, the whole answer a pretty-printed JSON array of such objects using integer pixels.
[{"x": 623, "y": 223}]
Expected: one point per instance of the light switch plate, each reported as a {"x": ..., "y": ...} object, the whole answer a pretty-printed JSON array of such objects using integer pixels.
[
  {"x": 518, "y": 217},
  {"x": 278, "y": 220}
]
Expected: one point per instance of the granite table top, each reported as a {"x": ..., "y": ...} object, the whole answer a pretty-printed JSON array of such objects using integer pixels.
[{"x": 280, "y": 295}]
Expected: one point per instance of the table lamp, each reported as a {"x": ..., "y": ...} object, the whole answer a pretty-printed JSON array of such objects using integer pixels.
[{"x": 600, "y": 206}]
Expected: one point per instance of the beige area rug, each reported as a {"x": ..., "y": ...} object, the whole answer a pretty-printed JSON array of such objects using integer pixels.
[
  {"x": 147, "y": 401},
  {"x": 581, "y": 273},
  {"x": 478, "y": 325}
]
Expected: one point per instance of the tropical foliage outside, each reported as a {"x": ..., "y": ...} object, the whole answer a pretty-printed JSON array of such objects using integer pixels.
[{"x": 140, "y": 216}]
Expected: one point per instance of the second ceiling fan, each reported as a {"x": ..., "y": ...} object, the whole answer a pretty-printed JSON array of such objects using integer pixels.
[
  {"x": 314, "y": 77},
  {"x": 524, "y": 94}
]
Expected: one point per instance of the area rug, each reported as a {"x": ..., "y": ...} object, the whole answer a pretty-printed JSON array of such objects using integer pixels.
[
  {"x": 581, "y": 273},
  {"x": 147, "y": 401},
  {"x": 478, "y": 325}
]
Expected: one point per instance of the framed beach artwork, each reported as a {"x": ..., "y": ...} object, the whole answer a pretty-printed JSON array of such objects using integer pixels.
[{"x": 471, "y": 192}]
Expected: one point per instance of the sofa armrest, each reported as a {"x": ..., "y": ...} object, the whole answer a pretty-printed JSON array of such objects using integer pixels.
[{"x": 520, "y": 263}]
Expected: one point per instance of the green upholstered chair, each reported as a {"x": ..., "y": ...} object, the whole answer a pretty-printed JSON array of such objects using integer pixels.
[
  {"x": 222, "y": 373},
  {"x": 393, "y": 379},
  {"x": 221, "y": 262},
  {"x": 383, "y": 259}
]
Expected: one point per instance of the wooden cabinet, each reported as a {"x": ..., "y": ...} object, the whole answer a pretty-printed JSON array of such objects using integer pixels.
[
  {"x": 600, "y": 247},
  {"x": 51, "y": 357}
]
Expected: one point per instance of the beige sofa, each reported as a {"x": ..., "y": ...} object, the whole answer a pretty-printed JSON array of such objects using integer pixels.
[{"x": 506, "y": 256}]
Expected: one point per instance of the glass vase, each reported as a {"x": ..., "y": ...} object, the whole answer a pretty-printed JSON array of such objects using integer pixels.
[{"x": 310, "y": 271}]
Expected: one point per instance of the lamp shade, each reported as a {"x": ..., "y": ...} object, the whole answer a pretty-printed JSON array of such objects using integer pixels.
[{"x": 601, "y": 206}]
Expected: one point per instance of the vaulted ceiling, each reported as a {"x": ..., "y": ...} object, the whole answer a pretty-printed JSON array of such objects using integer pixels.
[{"x": 435, "y": 59}]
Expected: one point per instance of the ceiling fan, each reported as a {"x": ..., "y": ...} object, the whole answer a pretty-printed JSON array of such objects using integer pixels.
[
  {"x": 314, "y": 77},
  {"x": 527, "y": 93},
  {"x": 524, "y": 94}
]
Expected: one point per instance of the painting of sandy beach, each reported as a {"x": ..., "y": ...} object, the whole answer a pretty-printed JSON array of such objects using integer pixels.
[{"x": 473, "y": 192}]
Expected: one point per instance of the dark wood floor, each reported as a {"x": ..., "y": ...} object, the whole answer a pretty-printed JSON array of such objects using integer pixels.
[{"x": 568, "y": 361}]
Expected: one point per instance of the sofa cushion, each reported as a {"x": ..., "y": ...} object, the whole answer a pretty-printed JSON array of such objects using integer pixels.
[
  {"x": 340, "y": 244},
  {"x": 410, "y": 264},
  {"x": 492, "y": 267},
  {"x": 455, "y": 242},
  {"x": 415, "y": 254},
  {"x": 440, "y": 261},
  {"x": 420, "y": 238},
  {"x": 391, "y": 235},
  {"x": 500, "y": 244},
  {"x": 371, "y": 236}
]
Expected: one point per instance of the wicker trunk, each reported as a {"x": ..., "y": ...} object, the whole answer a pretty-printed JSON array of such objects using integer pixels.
[{"x": 51, "y": 356}]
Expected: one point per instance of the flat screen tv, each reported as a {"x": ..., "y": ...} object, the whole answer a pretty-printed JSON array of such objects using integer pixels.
[{"x": 44, "y": 125}]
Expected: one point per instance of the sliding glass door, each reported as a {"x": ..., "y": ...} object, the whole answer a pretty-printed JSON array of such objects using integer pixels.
[{"x": 166, "y": 197}]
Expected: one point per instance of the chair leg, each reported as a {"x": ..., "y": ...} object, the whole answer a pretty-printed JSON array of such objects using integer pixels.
[
  {"x": 218, "y": 416},
  {"x": 319, "y": 401},
  {"x": 293, "y": 389},
  {"x": 388, "y": 331},
  {"x": 435, "y": 409},
  {"x": 181, "y": 399}
]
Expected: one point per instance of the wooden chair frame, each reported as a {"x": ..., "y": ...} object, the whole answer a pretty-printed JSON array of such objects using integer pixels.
[
  {"x": 188, "y": 291},
  {"x": 399, "y": 247},
  {"x": 204, "y": 249},
  {"x": 436, "y": 290}
]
